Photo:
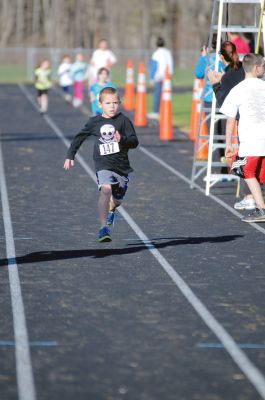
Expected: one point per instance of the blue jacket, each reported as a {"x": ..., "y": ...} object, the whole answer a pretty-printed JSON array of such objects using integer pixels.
[{"x": 200, "y": 73}]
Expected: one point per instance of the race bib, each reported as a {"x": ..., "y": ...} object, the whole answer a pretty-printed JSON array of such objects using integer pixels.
[{"x": 109, "y": 148}]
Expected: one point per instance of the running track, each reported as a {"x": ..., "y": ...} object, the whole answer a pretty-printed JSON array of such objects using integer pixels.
[{"x": 173, "y": 308}]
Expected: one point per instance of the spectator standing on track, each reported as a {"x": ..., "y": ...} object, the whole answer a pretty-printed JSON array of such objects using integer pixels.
[
  {"x": 43, "y": 83},
  {"x": 160, "y": 60},
  {"x": 222, "y": 84},
  {"x": 114, "y": 136},
  {"x": 78, "y": 72},
  {"x": 95, "y": 89},
  {"x": 205, "y": 64},
  {"x": 248, "y": 99},
  {"x": 65, "y": 78},
  {"x": 102, "y": 57}
]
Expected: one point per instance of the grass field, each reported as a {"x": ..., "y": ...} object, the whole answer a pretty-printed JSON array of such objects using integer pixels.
[
  {"x": 14, "y": 73},
  {"x": 181, "y": 77},
  {"x": 181, "y": 109}
]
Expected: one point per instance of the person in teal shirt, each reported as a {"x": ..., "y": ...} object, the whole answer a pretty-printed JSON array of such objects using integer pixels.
[
  {"x": 206, "y": 63},
  {"x": 95, "y": 89}
]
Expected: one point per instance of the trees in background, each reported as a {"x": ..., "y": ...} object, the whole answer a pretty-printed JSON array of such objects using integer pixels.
[
  {"x": 81, "y": 23},
  {"x": 126, "y": 24}
]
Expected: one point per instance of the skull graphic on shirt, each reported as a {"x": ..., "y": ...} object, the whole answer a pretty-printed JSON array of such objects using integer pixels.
[{"x": 107, "y": 132}]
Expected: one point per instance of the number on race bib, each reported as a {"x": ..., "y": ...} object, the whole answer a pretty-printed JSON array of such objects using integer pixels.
[{"x": 109, "y": 148}]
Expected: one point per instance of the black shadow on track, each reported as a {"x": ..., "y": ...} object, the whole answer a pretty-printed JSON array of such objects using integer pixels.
[{"x": 42, "y": 256}]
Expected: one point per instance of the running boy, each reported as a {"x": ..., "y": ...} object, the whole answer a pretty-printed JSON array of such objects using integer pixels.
[
  {"x": 114, "y": 135},
  {"x": 248, "y": 98}
]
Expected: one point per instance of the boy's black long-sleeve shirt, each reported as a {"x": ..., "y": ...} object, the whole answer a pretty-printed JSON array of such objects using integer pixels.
[{"x": 107, "y": 155}]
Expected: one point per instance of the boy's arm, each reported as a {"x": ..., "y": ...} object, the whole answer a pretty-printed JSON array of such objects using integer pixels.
[
  {"x": 130, "y": 139},
  {"x": 230, "y": 108},
  {"x": 78, "y": 140},
  {"x": 229, "y": 150}
]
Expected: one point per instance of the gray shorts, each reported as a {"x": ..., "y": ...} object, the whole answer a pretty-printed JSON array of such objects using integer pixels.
[{"x": 119, "y": 184}]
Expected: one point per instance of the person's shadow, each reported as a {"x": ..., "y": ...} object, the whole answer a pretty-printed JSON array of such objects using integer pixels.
[{"x": 131, "y": 248}]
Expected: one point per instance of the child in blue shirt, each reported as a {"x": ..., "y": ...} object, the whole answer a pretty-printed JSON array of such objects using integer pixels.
[{"x": 95, "y": 89}]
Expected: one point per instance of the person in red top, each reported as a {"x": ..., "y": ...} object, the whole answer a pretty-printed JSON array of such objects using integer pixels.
[{"x": 242, "y": 46}]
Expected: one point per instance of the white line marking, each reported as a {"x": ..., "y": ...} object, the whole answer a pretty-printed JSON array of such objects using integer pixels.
[
  {"x": 25, "y": 381},
  {"x": 239, "y": 357}
]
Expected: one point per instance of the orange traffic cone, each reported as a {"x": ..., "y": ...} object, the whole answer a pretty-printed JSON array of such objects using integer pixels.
[
  {"x": 202, "y": 153},
  {"x": 198, "y": 104},
  {"x": 140, "y": 116},
  {"x": 166, "y": 112},
  {"x": 193, "y": 130},
  {"x": 128, "y": 103}
]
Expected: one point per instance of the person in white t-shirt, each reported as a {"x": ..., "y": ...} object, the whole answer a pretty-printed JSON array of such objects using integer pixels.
[
  {"x": 161, "y": 60},
  {"x": 65, "y": 78},
  {"x": 102, "y": 57},
  {"x": 248, "y": 99}
]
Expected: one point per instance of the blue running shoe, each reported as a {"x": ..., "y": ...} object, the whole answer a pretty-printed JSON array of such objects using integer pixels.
[
  {"x": 104, "y": 235},
  {"x": 110, "y": 218}
]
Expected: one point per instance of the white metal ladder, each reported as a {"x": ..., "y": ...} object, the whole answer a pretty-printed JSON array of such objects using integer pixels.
[{"x": 213, "y": 140}]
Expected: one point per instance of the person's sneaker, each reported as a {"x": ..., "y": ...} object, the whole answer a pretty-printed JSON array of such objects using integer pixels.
[
  {"x": 245, "y": 204},
  {"x": 153, "y": 115},
  {"x": 104, "y": 235},
  {"x": 110, "y": 218},
  {"x": 258, "y": 215}
]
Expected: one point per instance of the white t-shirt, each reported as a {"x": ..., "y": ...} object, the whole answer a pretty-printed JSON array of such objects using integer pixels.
[
  {"x": 248, "y": 98},
  {"x": 164, "y": 59},
  {"x": 102, "y": 58},
  {"x": 64, "y": 73}
]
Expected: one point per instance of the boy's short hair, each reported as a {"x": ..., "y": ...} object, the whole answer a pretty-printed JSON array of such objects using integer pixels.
[
  {"x": 108, "y": 90},
  {"x": 251, "y": 60},
  {"x": 102, "y": 70}
]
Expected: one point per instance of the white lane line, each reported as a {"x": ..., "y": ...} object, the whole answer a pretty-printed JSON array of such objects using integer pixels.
[
  {"x": 238, "y": 356},
  {"x": 25, "y": 381},
  {"x": 199, "y": 188}
]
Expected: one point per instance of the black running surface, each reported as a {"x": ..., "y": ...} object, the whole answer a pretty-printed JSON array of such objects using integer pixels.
[{"x": 105, "y": 321}]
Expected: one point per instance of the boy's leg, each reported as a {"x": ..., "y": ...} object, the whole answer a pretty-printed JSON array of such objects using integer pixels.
[
  {"x": 118, "y": 192},
  {"x": 114, "y": 203},
  {"x": 255, "y": 189},
  {"x": 104, "y": 203},
  {"x": 39, "y": 99},
  {"x": 254, "y": 173},
  {"x": 44, "y": 103}
]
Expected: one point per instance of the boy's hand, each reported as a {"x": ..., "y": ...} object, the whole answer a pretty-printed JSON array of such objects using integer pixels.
[
  {"x": 68, "y": 164},
  {"x": 229, "y": 151},
  {"x": 117, "y": 136}
]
